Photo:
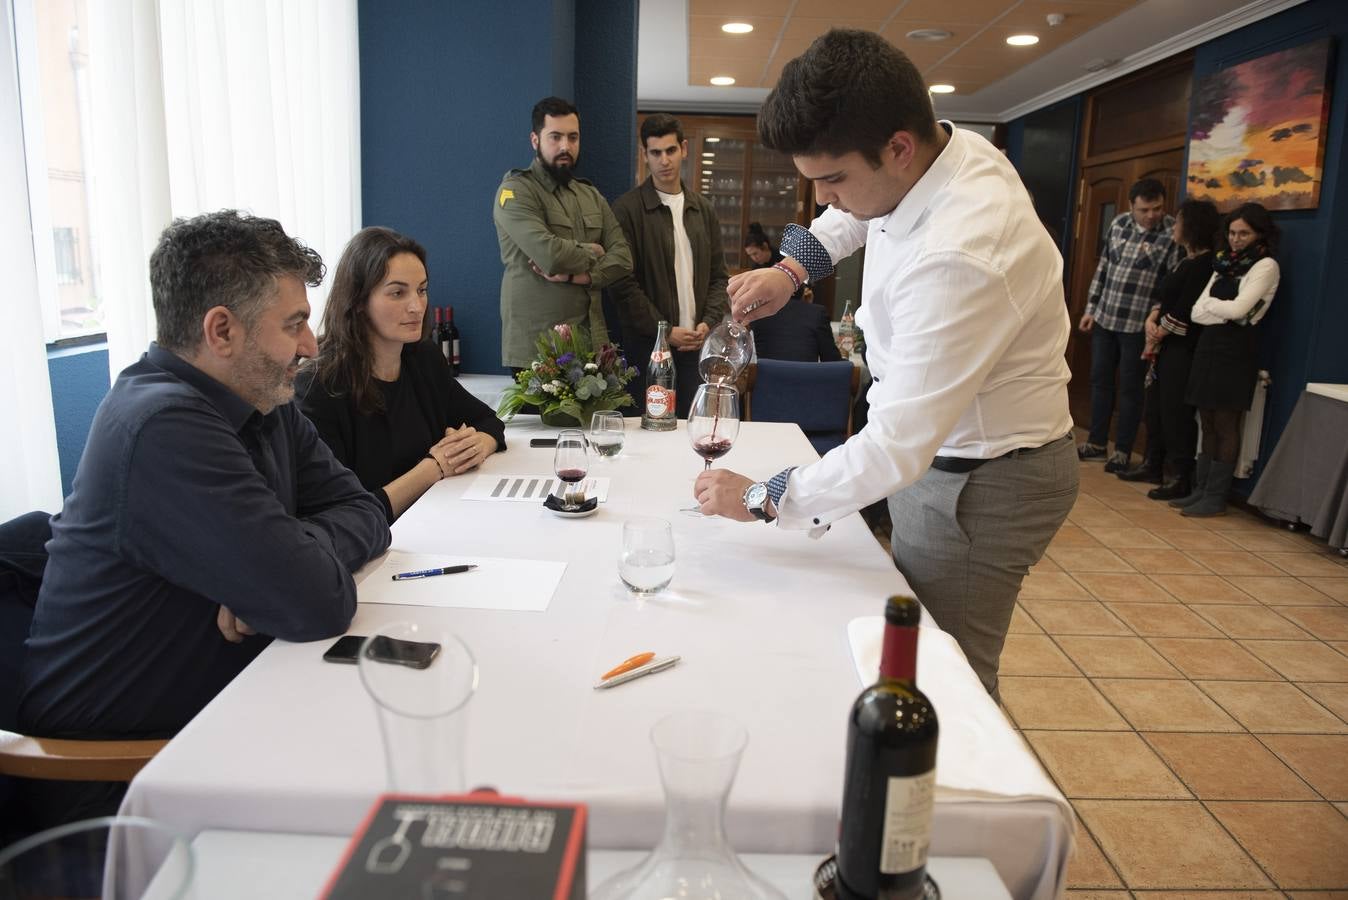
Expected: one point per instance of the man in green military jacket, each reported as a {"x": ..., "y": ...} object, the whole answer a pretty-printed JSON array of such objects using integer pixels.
[{"x": 559, "y": 240}]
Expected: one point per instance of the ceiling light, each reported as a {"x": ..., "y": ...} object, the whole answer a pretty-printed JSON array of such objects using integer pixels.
[
  {"x": 711, "y": 140},
  {"x": 707, "y": 154},
  {"x": 942, "y": 89},
  {"x": 722, "y": 80},
  {"x": 1023, "y": 40},
  {"x": 737, "y": 28},
  {"x": 929, "y": 34}
]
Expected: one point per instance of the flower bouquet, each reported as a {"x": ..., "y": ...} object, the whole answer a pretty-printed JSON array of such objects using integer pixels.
[{"x": 569, "y": 379}]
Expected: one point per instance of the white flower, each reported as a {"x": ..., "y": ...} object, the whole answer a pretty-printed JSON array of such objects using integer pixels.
[
  {"x": 556, "y": 382},
  {"x": 536, "y": 365},
  {"x": 591, "y": 367},
  {"x": 550, "y": 388}
]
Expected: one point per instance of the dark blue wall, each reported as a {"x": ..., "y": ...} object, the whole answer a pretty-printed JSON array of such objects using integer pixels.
[
  {"x": 446, "y": 91},
  {"x": 1304, "y": 333},
  {"x": 1305, "y": 330},
  {"x": 79, "y": 379},
  {"x": 1043, "y": 147}
]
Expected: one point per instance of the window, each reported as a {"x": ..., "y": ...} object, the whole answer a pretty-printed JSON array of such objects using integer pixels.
[{"x": 52, "y": 44}]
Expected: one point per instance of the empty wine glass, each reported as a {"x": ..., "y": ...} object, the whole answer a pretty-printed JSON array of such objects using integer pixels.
[
  {"x": 725, "y": 352},
  {"x": 606, "y": 432},
  {"x": 571, "y": 462}
]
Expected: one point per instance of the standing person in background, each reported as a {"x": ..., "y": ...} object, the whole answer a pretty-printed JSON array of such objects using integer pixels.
[
  {"x": 1171, "y": 339},
  {"x": 381, "y": 395},
  {"x": 1226, "y": 362},
  {"x": 678, "y": 270},
  {"x": 1139, "y": 251},
  {"x": 969, "y": 434},
  {"x": 559, "y": 241}
]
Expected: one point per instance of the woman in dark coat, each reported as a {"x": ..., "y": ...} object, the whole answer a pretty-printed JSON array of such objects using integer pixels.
[
  {"x": 1225, "y": 367},
  {"x": 380, "y": 394}
]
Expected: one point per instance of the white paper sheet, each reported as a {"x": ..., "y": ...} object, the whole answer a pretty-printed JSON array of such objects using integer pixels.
[
  {"x": 531, "y": 488},
  {"x": 524, "y": 585}
]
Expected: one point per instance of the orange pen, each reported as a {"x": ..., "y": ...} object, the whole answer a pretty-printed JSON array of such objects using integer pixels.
[{"x": 628, "y": 665}]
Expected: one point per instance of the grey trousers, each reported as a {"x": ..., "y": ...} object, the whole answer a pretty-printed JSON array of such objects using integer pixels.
[{"x": 965, "y": 541}]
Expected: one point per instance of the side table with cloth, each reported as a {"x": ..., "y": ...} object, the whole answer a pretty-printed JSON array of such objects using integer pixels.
[
  {"x": 1306, "y": 479},
  {"x": 759, "y": 618}
]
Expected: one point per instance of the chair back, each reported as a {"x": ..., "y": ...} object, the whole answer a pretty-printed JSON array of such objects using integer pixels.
[
  {"x": 23, "y": 559},
  {"x": 817, "y": 396}
]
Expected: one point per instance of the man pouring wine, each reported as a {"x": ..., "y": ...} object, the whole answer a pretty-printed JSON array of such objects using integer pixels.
[{"x": 962, "y": 305}]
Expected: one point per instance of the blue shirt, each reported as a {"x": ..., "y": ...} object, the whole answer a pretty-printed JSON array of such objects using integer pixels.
[{"x": 186, "y": 499}]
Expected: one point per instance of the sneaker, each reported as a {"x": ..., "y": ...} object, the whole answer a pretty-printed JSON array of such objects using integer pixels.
[
  {"x": 1117, "y": 463},
  {"x": 1091, "y": 452}
]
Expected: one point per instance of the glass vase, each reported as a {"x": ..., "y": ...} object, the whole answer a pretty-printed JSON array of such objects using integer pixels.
[{"x": 699, "y": 754}]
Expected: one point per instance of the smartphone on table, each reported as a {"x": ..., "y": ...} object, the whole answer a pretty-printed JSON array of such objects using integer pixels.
[{"x": 416, "y": 654}]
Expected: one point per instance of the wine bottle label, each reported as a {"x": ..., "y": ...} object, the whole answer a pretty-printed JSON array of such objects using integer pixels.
[
  {"x": 445, "y": 349},
  {"x": 659, "y": 401},
  {"x": 455, "y": 357},
  {"x": 907, "y": 834},
  {"x": 659, "y": 356}
]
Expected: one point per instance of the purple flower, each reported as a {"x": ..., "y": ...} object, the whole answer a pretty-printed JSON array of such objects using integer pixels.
[{"x": 565, "y": 357}]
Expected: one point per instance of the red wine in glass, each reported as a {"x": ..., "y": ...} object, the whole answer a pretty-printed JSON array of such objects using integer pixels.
[
  {"x": 571, "y": 463},
  {"x": 711, "y": 448},
  {"x": 571, "y": 476}
]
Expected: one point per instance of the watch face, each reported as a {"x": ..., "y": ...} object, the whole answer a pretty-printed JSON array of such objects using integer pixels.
[{"x": 756, "y": 495}]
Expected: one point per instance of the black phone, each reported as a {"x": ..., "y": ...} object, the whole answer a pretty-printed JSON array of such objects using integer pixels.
[
  {"x": 416, "y": 654},
  {"x": 542, "y": 442}
]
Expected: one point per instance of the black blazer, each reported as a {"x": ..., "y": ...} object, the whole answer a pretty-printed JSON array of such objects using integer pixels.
[
  {"x": 799, "y": 332},
  {"x": 366, "y": 444}
]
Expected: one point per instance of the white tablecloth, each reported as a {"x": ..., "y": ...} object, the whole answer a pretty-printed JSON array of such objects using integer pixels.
[{"x": 758, "y": 615}]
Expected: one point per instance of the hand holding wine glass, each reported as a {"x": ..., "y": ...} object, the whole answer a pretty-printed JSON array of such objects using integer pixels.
[{"x": 571, "y": 462}]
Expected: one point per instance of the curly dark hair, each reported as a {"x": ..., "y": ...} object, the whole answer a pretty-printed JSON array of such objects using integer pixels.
[
  {"x": 551, "y": 106},
  {"x": 851, "y": 91},
  {"x": 1199, "y": 221},
  {"x": 224, "y": 258},
  {"x": 345, "y": 360},
  {"x": 1259, "y": 220}
]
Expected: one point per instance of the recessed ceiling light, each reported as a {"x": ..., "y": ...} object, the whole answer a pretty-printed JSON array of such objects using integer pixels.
[
  {"x": 1023, "y": 40},
  {"x": 737, "y": 28},
  {"x": 942, "y": 89},
  {"x": 711, "y": 140},
  {"x": 708, "y": 154},
  {"x": 929, "y": 34},
  {"x": 722, "y": 80}
]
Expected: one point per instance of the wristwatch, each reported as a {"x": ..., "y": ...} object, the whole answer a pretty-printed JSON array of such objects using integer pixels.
[{"x": 756, "y": 501}]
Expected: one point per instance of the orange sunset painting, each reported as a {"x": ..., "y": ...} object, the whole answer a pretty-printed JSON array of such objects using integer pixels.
[{"x": 1257, "y": 131}]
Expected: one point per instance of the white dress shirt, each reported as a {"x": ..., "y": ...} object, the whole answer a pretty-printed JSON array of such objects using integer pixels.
[
  {"x": 1259, "y": 283},
  {"x": 966, "y": 329}
]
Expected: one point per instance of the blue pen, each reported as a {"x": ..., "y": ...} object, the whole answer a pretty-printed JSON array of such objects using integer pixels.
[{"x": 427, "y": 573}]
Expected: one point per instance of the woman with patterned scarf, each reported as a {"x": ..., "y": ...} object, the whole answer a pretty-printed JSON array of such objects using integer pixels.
[{"x": 1225, "y": 367}]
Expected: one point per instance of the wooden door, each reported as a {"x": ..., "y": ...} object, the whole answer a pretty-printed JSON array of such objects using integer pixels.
[{"x": 1102, "y": 195}]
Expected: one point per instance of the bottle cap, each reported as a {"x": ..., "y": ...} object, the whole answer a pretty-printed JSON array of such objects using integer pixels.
[{"x": 904, "y": 611}]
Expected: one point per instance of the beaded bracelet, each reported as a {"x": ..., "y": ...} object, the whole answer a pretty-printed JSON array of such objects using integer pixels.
[{"x": 795, "y": 280}]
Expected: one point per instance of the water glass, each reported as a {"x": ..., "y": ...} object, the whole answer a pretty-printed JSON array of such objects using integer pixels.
[
  {"x": 646, "y": 565},
  {"x": 606, "y": 433},
  {"x": 423, "y": 713}
]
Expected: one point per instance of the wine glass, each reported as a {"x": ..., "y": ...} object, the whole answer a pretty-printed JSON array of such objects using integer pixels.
[
  {"x": 713, "y": 421},
  {"x": 606, "y": 432},
  {"x": 725, "y": 352},
  {"x": 571, "y": 462}
]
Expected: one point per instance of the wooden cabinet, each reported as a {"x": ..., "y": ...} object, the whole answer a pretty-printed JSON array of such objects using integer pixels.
[{"x": 745, "y": 181}]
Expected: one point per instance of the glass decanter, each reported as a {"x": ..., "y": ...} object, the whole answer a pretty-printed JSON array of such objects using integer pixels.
[{"x": 699, "y": 754}]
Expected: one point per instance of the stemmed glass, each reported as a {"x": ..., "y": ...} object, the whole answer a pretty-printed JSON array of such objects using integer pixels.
[
  {"x": 571, "y": 462},
  {"x": 725, "y": 352},
  {"x": 713, "y": 424},
  {"x": 606, "y": 432}
]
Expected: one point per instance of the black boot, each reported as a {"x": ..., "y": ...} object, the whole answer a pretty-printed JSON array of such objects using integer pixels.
[
  {"x": 1199, "y": 481},
  {"x": 1182, "y": 486},
  {"x": 1213, "y": 502},
  {"x": 1149, "y": 470}
]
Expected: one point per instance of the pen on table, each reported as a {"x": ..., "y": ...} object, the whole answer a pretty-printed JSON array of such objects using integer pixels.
[
  {"x": 650, "y": 668},
  {"x": 428, "y": 573}
]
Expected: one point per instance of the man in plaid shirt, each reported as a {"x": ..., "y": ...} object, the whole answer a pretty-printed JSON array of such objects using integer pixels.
[{"x": 1139, "y": 251}]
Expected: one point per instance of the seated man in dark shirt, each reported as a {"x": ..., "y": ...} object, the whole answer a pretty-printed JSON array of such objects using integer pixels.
[
  {"x": 207, "y": 516},
  {"x": 800, "y": 332}
]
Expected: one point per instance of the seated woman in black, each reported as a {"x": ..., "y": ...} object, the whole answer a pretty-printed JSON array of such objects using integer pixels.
[
  {"x": 380, "y": 394},
  {"x": 800, "y": 331}
]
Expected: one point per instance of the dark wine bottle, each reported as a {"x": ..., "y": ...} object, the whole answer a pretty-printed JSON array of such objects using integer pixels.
[
  {"x": 452, "y": 333},
  {"x": 441, "y": 334},
  {"x": 890, "y": 775}
]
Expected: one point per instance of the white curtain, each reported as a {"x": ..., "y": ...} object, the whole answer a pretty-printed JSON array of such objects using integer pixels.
[
  {"x": 30, "y": 472},
  {"x": 212, "y": 104}
]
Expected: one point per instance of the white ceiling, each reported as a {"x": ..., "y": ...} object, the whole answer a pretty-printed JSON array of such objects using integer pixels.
[{"x": 1148, "y": 32}]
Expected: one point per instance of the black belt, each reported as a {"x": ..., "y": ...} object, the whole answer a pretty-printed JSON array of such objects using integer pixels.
[{"x": 959, "y": 465}]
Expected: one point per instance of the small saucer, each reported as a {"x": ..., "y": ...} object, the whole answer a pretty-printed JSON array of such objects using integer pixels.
[{"x": 553, "y": 504}]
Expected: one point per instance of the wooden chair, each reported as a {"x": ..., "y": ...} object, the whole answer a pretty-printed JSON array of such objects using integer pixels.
[
  {"x": 64, "y": 760},
  {"x": 817, "y": 396}
]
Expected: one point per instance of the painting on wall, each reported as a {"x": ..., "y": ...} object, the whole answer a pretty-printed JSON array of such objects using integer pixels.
[{"x": 1257, "y": 130}]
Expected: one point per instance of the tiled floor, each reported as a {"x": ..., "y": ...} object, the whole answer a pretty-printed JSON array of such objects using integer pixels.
[{"x": 1185, "y": 682}]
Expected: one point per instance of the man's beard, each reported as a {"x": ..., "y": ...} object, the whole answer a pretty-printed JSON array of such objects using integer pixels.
[
  {"x": 268, "y": 383},
  {"x": 560, "y": 174}
]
